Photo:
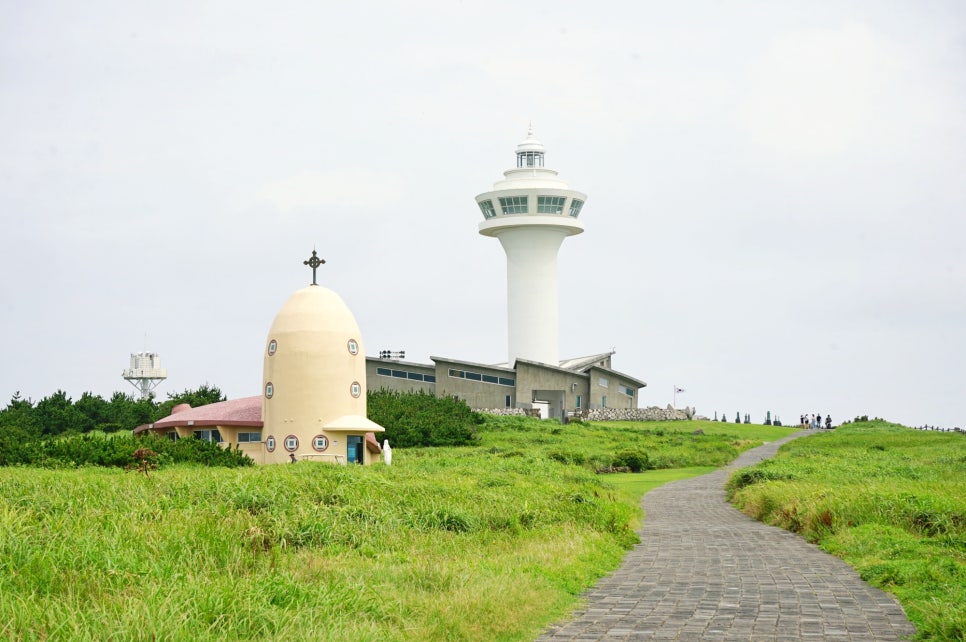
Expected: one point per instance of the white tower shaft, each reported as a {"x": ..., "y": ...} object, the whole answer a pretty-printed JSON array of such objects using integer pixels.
[{"x": 531, "y": 278}]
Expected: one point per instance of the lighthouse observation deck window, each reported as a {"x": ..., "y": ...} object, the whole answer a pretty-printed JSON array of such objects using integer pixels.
[
  {"x": 550, "y": 204},
  {"x": 575, "y": 206},
  {"x": 529, "y": 159},
  {"x": 487, "y": 208},
  {"x": 513, "y": 204}
]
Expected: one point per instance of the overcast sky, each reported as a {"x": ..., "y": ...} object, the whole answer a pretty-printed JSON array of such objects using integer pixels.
[{"x": 777, "y": 190}]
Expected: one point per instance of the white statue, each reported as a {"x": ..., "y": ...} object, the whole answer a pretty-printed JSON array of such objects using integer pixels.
[{"x": 386, "y": 452}]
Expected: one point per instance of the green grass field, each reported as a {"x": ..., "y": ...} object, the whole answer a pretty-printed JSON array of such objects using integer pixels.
[
  {"x": 889, "y": 500},
  {"x": 490, "y": 542}
]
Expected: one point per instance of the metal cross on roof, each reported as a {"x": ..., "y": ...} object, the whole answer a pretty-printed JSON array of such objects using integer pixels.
[{"x": 313, "y": 263}]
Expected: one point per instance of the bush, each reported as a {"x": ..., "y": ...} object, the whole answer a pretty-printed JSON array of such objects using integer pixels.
[
  {"x": 422, "y": 419},
  {"x": 636, "y": 460}
]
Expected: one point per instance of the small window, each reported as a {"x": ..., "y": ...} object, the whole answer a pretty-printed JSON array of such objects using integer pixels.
[
  {"x": 578, "y": 402},
  {"x": 513, "y": 204},
  {"x": 355, "y": 389},
  {"x": 270, "y": 444},
  {"x": 475, "y": 376},
  {"x": 506, "y": 382},
  {"x": 487, "y": 208},
  {"x": 415, "y": 376},
  {"x": 575, "y": 206},
  {"x": 353, "y": 346},
  {"x": 249, "y": 437},
  {"x": 429, "y": 378},
  {"x": 385, "y": 372},
  {"x": 490, "y": 379},
  {"x": 602, "y": 382},
  {"x": 603, "y": 401},
  {"x": 172, "y": 435},
  {"x": 508, "y": 401},
  {"x": 458, "y": 374},
  {"x": 550, "y": 204},
  {"x": 269, "y": 390},
  {"x": 272, "y": 347},
  {"x": 320, "y": 442},
  {"x": 291, "y": 443},
  {"x": 627, "y": 391},
  {"x": 399, "y": 374}
]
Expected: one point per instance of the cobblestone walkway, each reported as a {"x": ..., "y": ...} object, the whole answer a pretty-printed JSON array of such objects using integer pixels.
[{"x": 705, "y": 571}]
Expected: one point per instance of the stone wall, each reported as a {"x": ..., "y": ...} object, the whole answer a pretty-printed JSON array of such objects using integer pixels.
[
  {"x": 503, "y": 412},
  {"x": 639, "y": 414}
]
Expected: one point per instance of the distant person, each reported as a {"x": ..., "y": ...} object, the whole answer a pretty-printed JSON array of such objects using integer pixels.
[
  {"x": 812, "y": 422},
  {"x": 818, "y": 421},
  {"x": 291, "y": 456},
  {"x": 828, "y": 422}
]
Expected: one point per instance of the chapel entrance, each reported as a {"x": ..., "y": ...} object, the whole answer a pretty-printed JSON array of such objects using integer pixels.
[{"x": 355, "y": 454}]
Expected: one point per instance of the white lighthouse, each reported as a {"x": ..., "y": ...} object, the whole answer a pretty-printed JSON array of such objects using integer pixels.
[{"x": 531, "y": 211}]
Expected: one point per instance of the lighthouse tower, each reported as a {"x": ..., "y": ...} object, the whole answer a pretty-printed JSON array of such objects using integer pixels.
[{"x": 531, "y": 212}]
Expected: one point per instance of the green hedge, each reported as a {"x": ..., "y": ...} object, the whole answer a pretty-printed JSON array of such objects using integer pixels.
[{"x": 422, "y": 419}]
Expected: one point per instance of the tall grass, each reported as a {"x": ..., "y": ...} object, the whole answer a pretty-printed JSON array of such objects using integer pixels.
[
  {"x": 889, "y": 500},
  {"x": 490, "y": 542}
]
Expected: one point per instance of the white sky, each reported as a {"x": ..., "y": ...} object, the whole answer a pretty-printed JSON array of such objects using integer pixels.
[{"x": 776, "y": 189}]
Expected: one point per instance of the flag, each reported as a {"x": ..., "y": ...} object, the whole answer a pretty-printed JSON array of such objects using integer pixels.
[{"x": 677, "y": 390}]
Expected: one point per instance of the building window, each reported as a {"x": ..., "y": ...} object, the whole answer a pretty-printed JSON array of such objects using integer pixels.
[
  {"x": 508, "y": 401},
  {"x": 272, "y": 347},
  {"x": 355, "y": 389},
  {"x": 575, "y": 206},
  {"x": 529, "y": 159},
  {"x": 353, "y": 346},
  {"x": 578, "y": 402},
  {"x": 479, "y": 376},
  {"x": 208, "y": 435},
  {"x": 627, "y": 391},
  {"x": 487, "y": 208},
  {"x": 270, "y": 443},
  {"x": 405, "y": 374},
  {"x": 249, "y": 437},
  {"x": 269, "y": 390},
  {"x": 602, "y": 382},
  {"x": 603, "y": 401},
  {"x": 550, "y": 204},
  {"x": 172, "y": 435},
  {"x": 320, "y": 442},
  {"x": 291, "y": 443},
  {"x": 513, "y": 204}
]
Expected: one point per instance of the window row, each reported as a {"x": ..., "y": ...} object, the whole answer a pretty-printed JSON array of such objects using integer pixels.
[
  {"x": 520, "y": 205},
  {"x": 355, "y": 389},
  {"x": 529, "y": 159},
  {"x": 405, "y": 374},
  {"x": 479, "y": 376},
  {"x": 351, "y": 345}
]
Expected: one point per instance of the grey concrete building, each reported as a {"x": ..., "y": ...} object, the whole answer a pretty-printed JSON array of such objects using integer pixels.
[{"x": 558, "y": 391}]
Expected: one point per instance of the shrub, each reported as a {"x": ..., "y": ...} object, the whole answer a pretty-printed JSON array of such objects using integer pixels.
[
  {"x": 422, "y": 419},
  {"x": 636, "y": 460}
]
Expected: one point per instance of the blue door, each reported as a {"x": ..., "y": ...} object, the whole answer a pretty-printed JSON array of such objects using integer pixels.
[{"x": 354, "y": 445}]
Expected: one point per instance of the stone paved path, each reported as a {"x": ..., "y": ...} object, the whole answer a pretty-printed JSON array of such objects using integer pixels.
[{"x": 705, "y": 571}]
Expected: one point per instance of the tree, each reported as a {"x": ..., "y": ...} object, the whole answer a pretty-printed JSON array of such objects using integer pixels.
[
  {"x": 94, "y": 408},
  {"x": 56, "y": 415},
  {"x": 20, "y": 414}
]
